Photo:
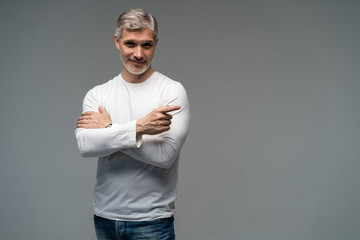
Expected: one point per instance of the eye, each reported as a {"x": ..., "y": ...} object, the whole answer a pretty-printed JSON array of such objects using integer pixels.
[
  {"x": 147, "y": 45},
  {"x": 130, "y": 44}
]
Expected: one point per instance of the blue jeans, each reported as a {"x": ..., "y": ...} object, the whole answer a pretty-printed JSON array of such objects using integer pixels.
[{"x": 162, "y": 229}]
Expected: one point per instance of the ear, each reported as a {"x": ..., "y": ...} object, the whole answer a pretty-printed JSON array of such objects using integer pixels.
[
  {"x": 117, "y": 42},
  {"x": 156, "y": 42}
]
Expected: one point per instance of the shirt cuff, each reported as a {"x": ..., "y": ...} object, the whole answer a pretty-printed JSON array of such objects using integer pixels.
[
  {"x": 139, "y": 140},
  {"x": 129, "y": 138}
]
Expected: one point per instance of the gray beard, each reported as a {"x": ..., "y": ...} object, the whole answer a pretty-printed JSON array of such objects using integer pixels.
[{"x": 130, "y": 70}]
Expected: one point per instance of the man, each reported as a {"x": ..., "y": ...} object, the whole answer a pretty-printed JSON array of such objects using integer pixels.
[{"x": 136, "y": 125}]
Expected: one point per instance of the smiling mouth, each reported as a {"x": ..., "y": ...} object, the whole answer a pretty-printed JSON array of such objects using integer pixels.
[{"x": 137, "y": 62}]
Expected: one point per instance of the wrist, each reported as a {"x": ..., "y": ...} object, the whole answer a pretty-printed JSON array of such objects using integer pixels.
[{"x": 139, "y": 129}]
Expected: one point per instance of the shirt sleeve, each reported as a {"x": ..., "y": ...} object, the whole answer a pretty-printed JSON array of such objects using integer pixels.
[
  {"x": 104, "y": 141},
  {"x": 163, "y": 149}
]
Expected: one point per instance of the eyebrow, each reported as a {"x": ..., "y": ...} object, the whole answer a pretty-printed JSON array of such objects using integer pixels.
[{"x": 141, "y": 41}]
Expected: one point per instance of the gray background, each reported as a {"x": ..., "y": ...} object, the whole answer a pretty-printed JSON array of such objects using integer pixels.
[{"x": 273, "y": 150}]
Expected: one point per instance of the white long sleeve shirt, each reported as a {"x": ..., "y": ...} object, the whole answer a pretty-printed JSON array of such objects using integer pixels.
[{"x": 136, "y": 180}]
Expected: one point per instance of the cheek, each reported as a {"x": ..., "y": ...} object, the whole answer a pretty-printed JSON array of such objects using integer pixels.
[
  {"x": 150, "y": 54},
  {"x": 124, "y": 53}
]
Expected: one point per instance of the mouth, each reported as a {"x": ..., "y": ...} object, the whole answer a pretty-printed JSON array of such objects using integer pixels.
[{"x": 137, "y": 62}]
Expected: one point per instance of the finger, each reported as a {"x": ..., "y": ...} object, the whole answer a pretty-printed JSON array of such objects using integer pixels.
[
  {"x": 88, "y": 113},
  {"x": 165, "y": 128},
  {"x": 167, "y": 108},
  {"x": 86, "y": 126},
  {"x": 164, "y": 123},
  {"x": 84, "y": 118},
  {"x": 87, "y": 120},
  {"x": 168, "y": 116},
  {"x": 102, "y": 110},
  {"x": 163, "y": 116},
  {"x": 161, "y": 129},
  {"x": 83, "y": 121},
  {"x": 80, "y": 125}
]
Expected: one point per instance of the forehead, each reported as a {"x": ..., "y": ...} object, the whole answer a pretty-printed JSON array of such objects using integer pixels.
[{"x": 145, "y": 34}]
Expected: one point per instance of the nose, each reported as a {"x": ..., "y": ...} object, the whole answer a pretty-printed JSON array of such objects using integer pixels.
[{"x": 138, "y": 52}]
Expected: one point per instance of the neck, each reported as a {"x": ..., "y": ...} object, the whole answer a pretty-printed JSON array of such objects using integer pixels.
[{"x": 136, "y": 78}]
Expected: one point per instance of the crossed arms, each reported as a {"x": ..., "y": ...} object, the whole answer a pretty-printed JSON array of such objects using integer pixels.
[
  {"x": 155, "y": 122},
  {"x": 155, "y": 139}
]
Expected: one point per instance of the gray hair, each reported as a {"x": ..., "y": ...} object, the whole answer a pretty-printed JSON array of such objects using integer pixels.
[{"x": 136, "y": 19}]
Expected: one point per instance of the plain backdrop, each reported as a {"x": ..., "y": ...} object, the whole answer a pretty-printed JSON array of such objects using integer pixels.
[{"x": 274, "y": 146}]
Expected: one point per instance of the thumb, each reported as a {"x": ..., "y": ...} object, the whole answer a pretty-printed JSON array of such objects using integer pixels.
[{"x": 101, "y": 109}]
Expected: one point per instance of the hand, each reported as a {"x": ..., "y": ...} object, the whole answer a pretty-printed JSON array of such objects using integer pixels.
[
  {"x": 94, "y": 119},
  {"x": 156, "y": 122}
]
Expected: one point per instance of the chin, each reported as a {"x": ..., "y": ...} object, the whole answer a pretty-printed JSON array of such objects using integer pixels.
[{"x": 136, "y": 71}]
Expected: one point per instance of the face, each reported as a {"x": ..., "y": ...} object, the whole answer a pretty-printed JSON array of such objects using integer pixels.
[{"x": 137, "y": 49}]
